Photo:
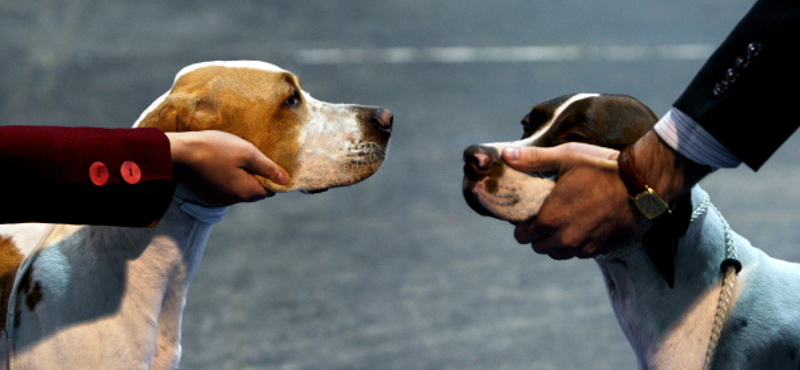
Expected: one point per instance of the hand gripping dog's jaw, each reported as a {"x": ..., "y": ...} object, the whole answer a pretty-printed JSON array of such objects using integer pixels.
[
  {"x": 493, "y": 189},
  {"x": 321, "y": 145}
]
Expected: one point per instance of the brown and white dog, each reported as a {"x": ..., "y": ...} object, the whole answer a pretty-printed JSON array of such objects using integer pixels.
[
  {"x": 668, "y": 327},
  {"x": 91, "y": 297}
]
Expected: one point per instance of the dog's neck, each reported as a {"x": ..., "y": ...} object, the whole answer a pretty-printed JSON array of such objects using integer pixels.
[
  {"x": 142, "y": 276},
  {"x": 671, "y": 326},
  {"x": 174, "y": 251},
  {"x": 190, "y": 235},
  {"x": 174, "y": 247}
]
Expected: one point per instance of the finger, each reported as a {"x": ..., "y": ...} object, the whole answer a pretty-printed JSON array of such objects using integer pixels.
[
  {"x": 550, "y": 246},
  {"x": 530, "y": 231},
  {"x": 252, "y": 190},
  {"x": 259, "y": 164},
  {"x": 521, "y": 233},
  {"x": 560, "y": 256},
  {"x": 531, "y": 158},
  {"x": 558, "y": 158}
]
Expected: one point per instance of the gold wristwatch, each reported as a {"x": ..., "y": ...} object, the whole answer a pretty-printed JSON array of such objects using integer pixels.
[{"x": 644, "y": 197}]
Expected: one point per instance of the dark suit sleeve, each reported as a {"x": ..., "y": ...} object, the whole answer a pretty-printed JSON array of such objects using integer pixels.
[
  {"x": 47, "y": 175},
  {"x": 746, "y": 94}
]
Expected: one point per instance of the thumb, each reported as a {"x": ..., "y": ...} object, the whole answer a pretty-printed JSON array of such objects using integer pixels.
[
  {"x": 559, "y": 158},
  {"x": 260, "y": 164},
  {"x": 531, "y": 158}
]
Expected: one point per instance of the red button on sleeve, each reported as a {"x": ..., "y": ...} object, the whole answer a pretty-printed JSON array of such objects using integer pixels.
[
  {"x": 98, "y": 173},
  {"x": 131, "y": 172}
]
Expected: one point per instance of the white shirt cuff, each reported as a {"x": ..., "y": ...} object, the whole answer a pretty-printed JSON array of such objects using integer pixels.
[{"x": 688, "y": 138}]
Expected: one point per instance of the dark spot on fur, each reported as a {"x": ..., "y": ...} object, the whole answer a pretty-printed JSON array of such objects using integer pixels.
[
  {"x": 31, "y": 289},
  {"x": 491, "y": 185},
  {"x": 34, "y": 297},
  {"x": 742, "y": 323},
  {"x": 738, "y": 324}
]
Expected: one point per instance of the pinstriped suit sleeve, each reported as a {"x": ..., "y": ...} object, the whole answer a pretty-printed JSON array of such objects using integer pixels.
[
  {"x": 745, "y": 95},
  {"x": 46, "y": 175}
]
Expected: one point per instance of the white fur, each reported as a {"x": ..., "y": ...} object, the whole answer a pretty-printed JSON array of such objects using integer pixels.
[
  {"x": 330, "y": 143},
  {"x": 528, "y": 141}
]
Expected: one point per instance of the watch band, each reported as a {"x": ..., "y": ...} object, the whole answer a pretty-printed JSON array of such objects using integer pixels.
[
  {"x": 650, "y": 203},
  {"x": 630, "y": 175}
]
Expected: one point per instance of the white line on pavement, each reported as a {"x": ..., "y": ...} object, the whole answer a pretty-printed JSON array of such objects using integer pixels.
[{"x": 503, "y": 54}]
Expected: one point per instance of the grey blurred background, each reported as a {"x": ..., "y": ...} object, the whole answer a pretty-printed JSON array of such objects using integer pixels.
[{"x": 396, "y": 272}]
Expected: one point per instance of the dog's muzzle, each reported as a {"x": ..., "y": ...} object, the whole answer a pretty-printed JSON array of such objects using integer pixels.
[{"x": 480, "y": 162}]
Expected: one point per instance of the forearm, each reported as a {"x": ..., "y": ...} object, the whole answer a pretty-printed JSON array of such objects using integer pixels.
[
  {"x": 50, "y": 174},
  {"x": 742, "y": 83}
]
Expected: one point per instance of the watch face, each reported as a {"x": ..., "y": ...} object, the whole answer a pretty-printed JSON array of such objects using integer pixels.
[{"x": 651, "y": 204}]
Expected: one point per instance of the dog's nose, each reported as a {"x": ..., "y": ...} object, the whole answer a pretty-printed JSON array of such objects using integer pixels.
[
  {"x": 481, "y": 158},
  {"x": 383, "y": 119}
]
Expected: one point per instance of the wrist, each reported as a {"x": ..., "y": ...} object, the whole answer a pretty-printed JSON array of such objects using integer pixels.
[
  {"x": 180, "y": 151},
  {"x": 176, "y": 146},
  {"x": 665, "y": 170}
]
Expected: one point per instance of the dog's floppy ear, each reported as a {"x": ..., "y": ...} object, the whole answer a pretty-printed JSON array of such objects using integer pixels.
[{"x": 182, "y": 112}]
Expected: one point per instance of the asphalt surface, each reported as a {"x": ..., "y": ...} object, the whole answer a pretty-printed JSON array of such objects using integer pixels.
[{"x": 396, "y": 272}]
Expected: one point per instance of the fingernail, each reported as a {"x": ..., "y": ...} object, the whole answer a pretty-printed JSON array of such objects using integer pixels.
[
  {"x": 283, "y": 178},
  {"x": 511, "y": 153}
]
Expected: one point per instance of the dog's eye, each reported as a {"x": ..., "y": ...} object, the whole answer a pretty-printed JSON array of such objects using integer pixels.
[
  {"x": 525, "y": 125},
  {"x": 293, "y": 100}
]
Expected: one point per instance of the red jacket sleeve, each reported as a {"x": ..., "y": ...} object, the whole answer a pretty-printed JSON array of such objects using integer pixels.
[{"x": 120, "y": 177}]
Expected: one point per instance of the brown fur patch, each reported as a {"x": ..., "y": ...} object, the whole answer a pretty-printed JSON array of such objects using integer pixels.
[{"x": 10, "y": 259}]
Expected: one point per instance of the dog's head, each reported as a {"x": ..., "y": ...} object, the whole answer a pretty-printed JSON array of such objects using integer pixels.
[
  {"x": 493, "y": 189},
  {"x": 321, "y": 145}
]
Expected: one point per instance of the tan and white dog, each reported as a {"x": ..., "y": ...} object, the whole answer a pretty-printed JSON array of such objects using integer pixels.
[
  {"x": 91, "y": 297},
  {"x": 668, "y": 327}
]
